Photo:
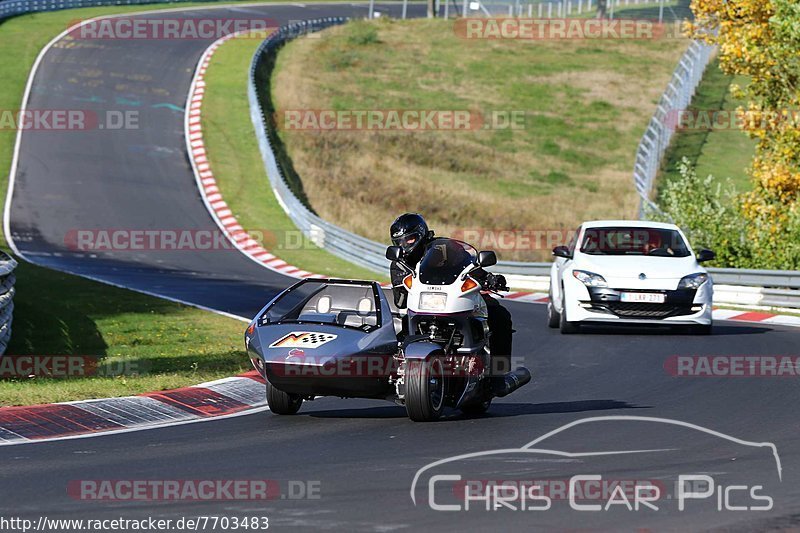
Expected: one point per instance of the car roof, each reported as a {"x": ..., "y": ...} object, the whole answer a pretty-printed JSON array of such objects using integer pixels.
[{"x": 628, "y": 224}]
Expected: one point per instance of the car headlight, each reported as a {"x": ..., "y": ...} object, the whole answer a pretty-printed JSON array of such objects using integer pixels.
[
  {"x": 590, "y": 279},
  {"x": 432, "y": 301},
  {"x": 693, "y": 281}
]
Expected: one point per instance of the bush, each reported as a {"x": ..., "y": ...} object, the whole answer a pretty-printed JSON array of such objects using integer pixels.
[
  {"x": 712, "y": 218},
  {"x": 361, "y": 33}
]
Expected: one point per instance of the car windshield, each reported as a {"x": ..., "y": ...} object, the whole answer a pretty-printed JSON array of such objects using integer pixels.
[
  {"x": 657, "y": 242},
  {"x": 444, "y": 260},
  {"x": 337, "y": 303}
]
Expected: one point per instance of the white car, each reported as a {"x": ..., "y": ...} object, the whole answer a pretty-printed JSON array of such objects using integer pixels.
[{"x": 635, "y": 272}]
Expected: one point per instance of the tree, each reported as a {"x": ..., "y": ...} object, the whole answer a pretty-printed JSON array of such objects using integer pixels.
[{"x": 761, "y": 40}]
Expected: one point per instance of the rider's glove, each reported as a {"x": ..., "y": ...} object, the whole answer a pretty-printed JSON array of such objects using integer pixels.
[
  {"x": 500, "y": 283},
  {"x": 496, "y": 282}
]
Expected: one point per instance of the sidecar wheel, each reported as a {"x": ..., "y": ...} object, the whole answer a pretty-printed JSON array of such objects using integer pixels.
[{"x": 282, "y": 403}]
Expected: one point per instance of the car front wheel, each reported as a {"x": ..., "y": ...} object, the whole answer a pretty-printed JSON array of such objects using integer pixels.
[
  {"x": 553, "y": 316},
  {"x": 567, "y": 327}
]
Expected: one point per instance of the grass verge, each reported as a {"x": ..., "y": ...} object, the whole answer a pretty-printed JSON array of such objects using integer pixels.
[
  {"x": 166, "y": 344},
  {"x": 236, "y": 160},
  {"x": 145, "y": 343},
  {"x": 725, "y": 153},
  {"x": 586, "y": 104}
]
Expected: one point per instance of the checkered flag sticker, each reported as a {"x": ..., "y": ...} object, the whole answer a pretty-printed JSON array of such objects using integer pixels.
[{"x": 303, "y": 339}]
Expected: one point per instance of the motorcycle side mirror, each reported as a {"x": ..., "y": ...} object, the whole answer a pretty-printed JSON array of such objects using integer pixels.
[
  {"x": 705, "y": 255},
  {"x": 394, "y": 253},
  {"x": 487, "y": 259},
  {"x": 562, "y": 251}
]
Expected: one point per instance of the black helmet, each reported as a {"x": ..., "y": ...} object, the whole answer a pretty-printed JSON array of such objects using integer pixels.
[{"x": 409, "y": 231}]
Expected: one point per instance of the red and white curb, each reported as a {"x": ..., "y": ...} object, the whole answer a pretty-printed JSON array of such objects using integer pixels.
[
  {"x": 756, "y": 316},
  {"x": 526, "y": 297},
  {"x": 58, "y": 421},
  {"x": 718, "y": 314},
  {"x": 207, "y": 184}
]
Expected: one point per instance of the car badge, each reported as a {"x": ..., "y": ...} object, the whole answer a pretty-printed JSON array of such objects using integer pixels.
[{"x": 642, "y": 276}]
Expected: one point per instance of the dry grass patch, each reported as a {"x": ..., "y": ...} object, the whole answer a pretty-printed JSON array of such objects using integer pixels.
[{"x": 586, "y": 104}]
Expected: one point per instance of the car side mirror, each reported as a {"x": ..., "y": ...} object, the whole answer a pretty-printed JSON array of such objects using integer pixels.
[
  {"x": 394, "y": 253},
  {"x": 562, "y": 251},
  {"x": 487, "y": 259},
  {"x": 705, "y": 255}
]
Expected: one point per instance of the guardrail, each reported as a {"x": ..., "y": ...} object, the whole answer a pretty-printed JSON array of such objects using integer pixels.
[
  {"x": 729, "y": 288},
  {"x": 7, "y": 280},
  {"x": 745, "y": 287},
  {"x": 338, "y": 241},
  {"x": 654, "y": 142},
  {"x": 767, "y": 280}
]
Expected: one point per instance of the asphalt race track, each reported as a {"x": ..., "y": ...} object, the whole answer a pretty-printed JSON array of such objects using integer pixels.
[{"x": 363, "y": 454}]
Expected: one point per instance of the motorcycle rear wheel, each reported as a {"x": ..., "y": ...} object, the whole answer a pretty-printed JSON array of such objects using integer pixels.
[{"x": 425, "y": 392}]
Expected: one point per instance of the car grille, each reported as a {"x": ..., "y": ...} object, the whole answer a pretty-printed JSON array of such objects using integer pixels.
[{"x": 643, "y": 310}]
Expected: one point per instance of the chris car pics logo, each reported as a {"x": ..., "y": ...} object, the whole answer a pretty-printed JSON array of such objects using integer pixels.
[{"x": 303, "y": 339}]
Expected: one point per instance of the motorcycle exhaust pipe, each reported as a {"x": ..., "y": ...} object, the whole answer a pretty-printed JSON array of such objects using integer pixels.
[{"x": 512, "y": 381}]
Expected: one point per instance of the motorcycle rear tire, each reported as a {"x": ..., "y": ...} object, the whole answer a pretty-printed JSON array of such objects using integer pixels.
[{"x": 425, "y": 392}]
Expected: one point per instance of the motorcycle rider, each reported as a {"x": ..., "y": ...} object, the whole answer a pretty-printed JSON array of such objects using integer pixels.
[{"x": 410, "y": 232}]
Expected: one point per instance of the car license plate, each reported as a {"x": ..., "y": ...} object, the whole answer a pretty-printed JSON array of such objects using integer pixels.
[{"x": 643, "y": 297}]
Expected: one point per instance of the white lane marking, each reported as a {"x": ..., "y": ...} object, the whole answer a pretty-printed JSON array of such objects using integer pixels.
[
  {"x": 34, "y": 69},
  {"x": 153, "y": 294}
]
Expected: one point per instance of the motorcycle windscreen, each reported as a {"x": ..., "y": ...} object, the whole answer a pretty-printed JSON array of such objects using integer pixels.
[{"x": 444, "y": 260}]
